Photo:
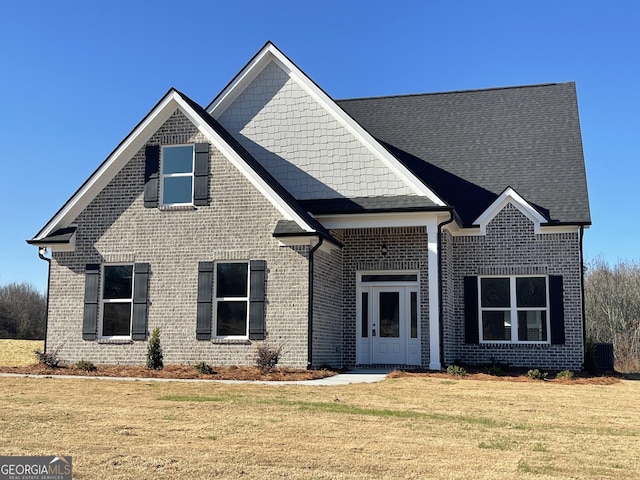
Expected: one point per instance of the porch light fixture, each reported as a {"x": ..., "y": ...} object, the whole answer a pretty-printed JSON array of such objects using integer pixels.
[{"x": 384, "y": 250}]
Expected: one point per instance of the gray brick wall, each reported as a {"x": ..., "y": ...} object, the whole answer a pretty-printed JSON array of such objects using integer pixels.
[
  {"x": 510, "y": 247},
  {"x": 327, "y": 309},
  {"x": 407, "y": 250},
  {"x": 238, "y": 224}
]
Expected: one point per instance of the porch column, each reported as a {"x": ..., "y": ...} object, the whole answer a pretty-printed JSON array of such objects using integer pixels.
[{"x": 434, "y": 295}]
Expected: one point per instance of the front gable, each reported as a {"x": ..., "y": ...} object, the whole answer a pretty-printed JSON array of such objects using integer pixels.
[
  {"x": 173, "y": 103},
  {"x": 298, "y": 133},
  {"x": 510, "y": 197}
]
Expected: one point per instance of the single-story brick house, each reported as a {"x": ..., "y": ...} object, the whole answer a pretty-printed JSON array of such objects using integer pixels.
[{"x": 407, "y": 230}]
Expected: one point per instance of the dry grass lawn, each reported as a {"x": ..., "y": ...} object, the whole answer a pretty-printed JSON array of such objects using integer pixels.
[
  {"x": 407, "y": 427},
  {"x": 19, "y": 352}
]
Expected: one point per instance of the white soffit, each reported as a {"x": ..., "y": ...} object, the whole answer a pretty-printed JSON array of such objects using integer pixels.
[
  {"x": 379, "y": 220},
  {"x": 270, "y": 53}
]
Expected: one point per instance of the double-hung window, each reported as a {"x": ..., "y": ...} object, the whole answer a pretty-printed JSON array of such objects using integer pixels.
[
  {"x": 176, "y": 176},
  {"x": 514, "y": 309},
  {"x": 231, "y": 299},
  {"x": 117, "y": 300}
]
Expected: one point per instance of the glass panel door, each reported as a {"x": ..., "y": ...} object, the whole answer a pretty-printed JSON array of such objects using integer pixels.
[{"x": 389, "y": 314}]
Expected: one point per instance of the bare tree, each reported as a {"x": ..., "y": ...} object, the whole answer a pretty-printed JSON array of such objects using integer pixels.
[
  {"x": 22, "y": 312},
  {"x": 612, "y": 309}
]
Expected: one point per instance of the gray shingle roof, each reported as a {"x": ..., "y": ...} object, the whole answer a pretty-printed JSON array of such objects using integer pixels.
[
  {"x": 398, "y": 203},
  {"x": 468, "y": 146}
]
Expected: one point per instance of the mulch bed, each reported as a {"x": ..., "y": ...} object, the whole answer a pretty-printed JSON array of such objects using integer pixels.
[
  {"x": 292, "y": 374},
  {"x": 516, "y": 375},
  {"x": 173, "y": 371}
]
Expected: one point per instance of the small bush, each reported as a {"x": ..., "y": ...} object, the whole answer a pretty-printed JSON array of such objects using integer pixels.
[
  {"x": 268, "y": 356},
  {"x": 50, "y": 359},
  {"x": 86, "y": 366},
  {"x": 456, "y": 370},
  {"x": 536, "y": 374},
  {"x": 568, "y": 374},
  {"x": 154, "y": 351},
  {"x": 203, "y": 368},
  {"x": 494, "y": 370}
]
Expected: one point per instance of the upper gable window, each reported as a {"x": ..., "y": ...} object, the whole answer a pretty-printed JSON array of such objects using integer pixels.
[{"x": 176, "y": 175}]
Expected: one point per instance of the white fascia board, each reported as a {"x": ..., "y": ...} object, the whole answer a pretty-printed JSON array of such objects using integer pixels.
[
  {"x": 458, "y": 231},
  {"x": 62, "y": 247},
  {"x": 256, "y": 180},
  {"x": 242, "y": 80},
  {"x": 547, "y": 229},
  {"x": 112, "y": 165},
  {"x": 379, "y": 220},
  {"x": 271, "y": 53},
  {"x": 512, "y": 197}
]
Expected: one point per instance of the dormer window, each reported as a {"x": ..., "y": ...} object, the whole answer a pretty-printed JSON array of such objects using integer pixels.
[{"x": 176, "y": 175}]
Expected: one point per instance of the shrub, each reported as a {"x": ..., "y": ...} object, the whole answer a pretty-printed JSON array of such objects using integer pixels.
[
  {"x": 50, "y": 359},
  {"x": 85, "y": 366},
  {"x": 268, "y": 356},
  {"x": 568, "y": 374},
  {"x": 536, "y": 374},
  {"x": 494, "y": 370},
  {"x": 456, "y": 370},
  {"x": 154, "y": 351},
  {"x": 203, "y": 368}
]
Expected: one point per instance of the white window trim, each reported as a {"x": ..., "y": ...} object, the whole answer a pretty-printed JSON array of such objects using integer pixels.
[
  {"x": 103, "y": 301},
  {"x": 177, "y": 175},
  {"x": 217, "y": 299},
  {"x": 513, "y": 309}
]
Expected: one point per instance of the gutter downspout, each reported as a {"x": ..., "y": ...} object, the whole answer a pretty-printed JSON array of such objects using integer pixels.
[
  {"x": 41, "y": 253},
  {"x": 310, "y": 314},
  {"x": 584, "y": 320},
  {"x": 440, "y": 302}
]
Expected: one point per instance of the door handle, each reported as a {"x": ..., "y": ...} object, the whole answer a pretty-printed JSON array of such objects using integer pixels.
[{"x": 373, "y": 333}]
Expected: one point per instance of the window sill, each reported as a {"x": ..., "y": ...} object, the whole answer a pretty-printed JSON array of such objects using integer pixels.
[
  {"x": 171, "y": 208},
  {"x": 115, "y": 341},
  {"x": 231, "y": 341},
  {"x": 514, "y": 344}
]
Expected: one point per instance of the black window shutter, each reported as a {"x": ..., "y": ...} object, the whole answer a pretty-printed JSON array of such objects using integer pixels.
[
  {"x": 471, "y": 333},
  {"x": 257, "y": 277},
  {"x": 151, "y": 168},
  {"x": 201, "y": 175},
  {"x": 91, "y": 294},
  {"x": 205, "y": 291},
  {"x": 556, "y": 309},
  {"x": 140, "y": 301}
]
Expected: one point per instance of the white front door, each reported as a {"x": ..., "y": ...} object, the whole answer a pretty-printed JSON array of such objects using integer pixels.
[{"x": 388, "y": 323}]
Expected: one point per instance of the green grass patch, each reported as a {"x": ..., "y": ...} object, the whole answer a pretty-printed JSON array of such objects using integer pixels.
[{"x": 496, "y": 445}]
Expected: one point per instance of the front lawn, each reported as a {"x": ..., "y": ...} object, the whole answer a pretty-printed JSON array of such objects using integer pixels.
[{"x": 432, "y": 427}]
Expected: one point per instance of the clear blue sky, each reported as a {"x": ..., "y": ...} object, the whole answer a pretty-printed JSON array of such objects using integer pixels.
[{"x": 77, "y": 76}]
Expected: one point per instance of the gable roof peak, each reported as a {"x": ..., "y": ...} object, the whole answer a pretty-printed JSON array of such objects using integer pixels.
[
  {"x": 271, "y": 54},
  {"x": 510, "y": 196}
]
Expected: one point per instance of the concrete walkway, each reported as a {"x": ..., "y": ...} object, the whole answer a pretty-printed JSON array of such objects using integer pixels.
[{"x": 353, "y": 376}]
